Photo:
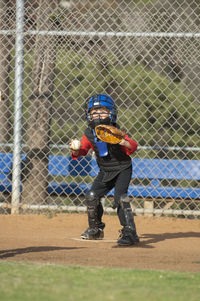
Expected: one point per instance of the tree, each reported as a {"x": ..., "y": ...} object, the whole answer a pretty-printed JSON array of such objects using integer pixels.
[
  {"x": 5, "y": 50},
  {"x": 38, "y": 132}
]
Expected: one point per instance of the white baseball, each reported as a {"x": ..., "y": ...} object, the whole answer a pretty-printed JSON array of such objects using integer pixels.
[{"x": 75, "y": 144}]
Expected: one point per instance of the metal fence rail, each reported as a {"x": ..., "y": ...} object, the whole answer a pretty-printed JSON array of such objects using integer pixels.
[
  {"x": 106, "y": 34},
  {"x": 55, "y": 54}
]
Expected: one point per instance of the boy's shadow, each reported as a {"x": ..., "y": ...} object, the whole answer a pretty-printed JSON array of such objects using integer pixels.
[
  {"x": 12, "y": 252},
  {"x": 147, "y": 239}
]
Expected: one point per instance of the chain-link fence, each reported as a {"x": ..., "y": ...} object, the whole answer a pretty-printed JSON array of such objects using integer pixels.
[{"x": 56, "y": 54}]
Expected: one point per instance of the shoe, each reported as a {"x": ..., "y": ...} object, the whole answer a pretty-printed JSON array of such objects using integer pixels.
[
  {"x": 92, "y": 234},
  {"x": 127, "y": 237}
]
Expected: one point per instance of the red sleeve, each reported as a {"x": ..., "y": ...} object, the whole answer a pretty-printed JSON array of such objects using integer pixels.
[
  {"x": 129, "y": 151},
  {"x": 85, "y": 147}
]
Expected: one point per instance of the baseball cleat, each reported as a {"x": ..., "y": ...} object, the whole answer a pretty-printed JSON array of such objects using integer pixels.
[
  {"x": 92, "y": 234},
  {"x": 127, "y": 237}
]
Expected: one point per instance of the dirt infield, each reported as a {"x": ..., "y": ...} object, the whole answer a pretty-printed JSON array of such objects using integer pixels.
[{"x": 166, "y": 243}]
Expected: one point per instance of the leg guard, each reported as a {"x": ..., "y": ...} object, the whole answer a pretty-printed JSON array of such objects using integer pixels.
[
  {"x": 125, "y": 213},
  {"x": 95, "y": 212},
  {"x": 128, "y": 233},
  {"x": 92, "y": 202},
  {"x": 101, "y": 225}
]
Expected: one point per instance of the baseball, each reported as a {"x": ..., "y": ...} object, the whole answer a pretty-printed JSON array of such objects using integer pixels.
[{"x": 75, "y": 144}]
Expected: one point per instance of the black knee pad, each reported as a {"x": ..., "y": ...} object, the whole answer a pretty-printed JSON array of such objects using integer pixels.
[
  {"x": 92, "y": 199},
  {"x": 121, "y": 200},
  {"x": 125, "y": 201}
]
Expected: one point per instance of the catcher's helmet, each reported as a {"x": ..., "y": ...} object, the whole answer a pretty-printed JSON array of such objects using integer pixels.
[{"x": 98, "y": 101}]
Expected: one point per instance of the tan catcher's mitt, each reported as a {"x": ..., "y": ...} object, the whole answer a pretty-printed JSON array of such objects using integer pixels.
[{"x": 109, "y": 134}]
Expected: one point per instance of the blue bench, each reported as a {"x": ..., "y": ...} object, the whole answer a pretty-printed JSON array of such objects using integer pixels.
[
  {"x": 57, "y": 166},
  {"x": 153, "y": 170}
]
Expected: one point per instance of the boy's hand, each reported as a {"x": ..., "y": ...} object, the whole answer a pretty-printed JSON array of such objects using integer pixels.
[
  {"x": 75, "y": 146},
  {"x": 125, "y": 143}
]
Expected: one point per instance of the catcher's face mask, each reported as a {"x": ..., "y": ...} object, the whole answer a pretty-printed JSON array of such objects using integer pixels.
[
  {"x": 99, "y": 116},
  {"x": 99, "y": 113},
  {"x": 101, "y": 101}
]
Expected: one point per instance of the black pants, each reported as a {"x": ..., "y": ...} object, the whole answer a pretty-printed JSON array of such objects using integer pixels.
[{"x": 120, "y": 183}]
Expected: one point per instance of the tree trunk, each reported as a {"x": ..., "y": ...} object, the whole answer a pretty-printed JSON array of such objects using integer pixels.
[
  {"x": 5, "y": 50},
  {"x": 38, "y": 132}
]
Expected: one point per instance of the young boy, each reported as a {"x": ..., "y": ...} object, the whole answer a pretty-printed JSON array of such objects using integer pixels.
[{"x": 115, "y": 171}]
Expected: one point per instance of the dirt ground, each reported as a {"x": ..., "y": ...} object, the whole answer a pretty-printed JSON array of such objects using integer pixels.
[{"x": 166, "y": 243}]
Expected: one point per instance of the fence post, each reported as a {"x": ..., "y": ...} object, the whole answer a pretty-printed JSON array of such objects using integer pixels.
[{"x": 19, "y": 62}]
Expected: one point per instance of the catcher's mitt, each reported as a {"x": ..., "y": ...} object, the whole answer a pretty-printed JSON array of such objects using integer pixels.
[{"x": 109, "y": 134}]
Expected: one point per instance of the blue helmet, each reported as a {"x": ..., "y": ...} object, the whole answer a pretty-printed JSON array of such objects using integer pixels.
[{"x": 101, "y": 100}]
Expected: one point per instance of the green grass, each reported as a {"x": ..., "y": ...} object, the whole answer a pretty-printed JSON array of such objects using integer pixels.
[{"x": 34, "y": 281}]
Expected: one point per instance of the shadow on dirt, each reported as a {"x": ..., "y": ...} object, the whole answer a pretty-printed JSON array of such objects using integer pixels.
[
  {"x": 13, "y": 252},
  {"x": 146, "y": 240}
]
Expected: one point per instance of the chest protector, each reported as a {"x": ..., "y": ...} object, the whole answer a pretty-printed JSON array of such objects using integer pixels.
[{"x": 114, "y": 160}]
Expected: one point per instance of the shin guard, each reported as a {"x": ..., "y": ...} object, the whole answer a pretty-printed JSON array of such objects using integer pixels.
[
  {"x": 125, "y": 213},
  {"x": 92, "y": 203}
]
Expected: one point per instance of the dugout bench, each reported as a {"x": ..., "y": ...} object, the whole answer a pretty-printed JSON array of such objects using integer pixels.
[{"x": 153, "y": 171}]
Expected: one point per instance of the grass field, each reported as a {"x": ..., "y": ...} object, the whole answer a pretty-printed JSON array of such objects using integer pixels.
[{"x": 34, "y": 281}]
